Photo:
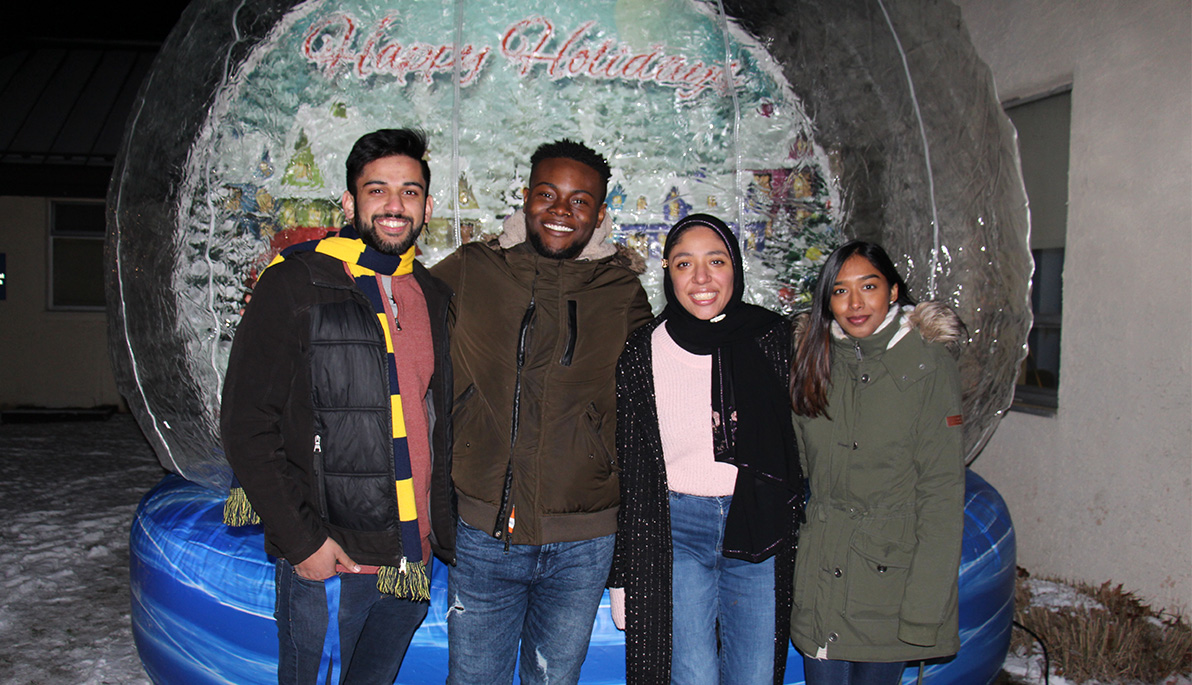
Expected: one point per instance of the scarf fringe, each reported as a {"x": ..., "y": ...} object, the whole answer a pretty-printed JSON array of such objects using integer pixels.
[
  {"x": 412, "y": 584},
  {"x": 237, "y": 511}
]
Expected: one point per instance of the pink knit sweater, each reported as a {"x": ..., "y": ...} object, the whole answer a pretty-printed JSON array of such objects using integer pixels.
[{"x": 683, "y": 392}]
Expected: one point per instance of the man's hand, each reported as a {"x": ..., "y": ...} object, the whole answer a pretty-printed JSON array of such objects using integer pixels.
[{"x": 321, "y": 564}]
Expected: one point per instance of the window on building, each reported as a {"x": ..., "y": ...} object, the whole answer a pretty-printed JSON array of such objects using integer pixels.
[
  {"x": 1044, "y": 124},
  {"x": 77, "y": 230}
]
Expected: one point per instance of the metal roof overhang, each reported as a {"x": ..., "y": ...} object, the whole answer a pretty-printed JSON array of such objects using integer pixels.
[{"x": 63, "y": 107}]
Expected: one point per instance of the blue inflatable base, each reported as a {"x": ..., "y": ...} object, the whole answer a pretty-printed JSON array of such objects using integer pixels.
[{"x": 202, "y": 599}]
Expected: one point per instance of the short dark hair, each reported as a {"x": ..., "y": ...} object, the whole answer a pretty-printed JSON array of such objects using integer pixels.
[
  {"x": 569, "y": 149},
  {"x": 387, "y": 142}
]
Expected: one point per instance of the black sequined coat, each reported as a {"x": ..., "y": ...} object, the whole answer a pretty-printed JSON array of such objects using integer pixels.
[{"x": 643, "y": 557}]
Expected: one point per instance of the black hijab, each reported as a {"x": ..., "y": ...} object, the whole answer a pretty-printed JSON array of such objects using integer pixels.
[{"x": 750, "y": 408}]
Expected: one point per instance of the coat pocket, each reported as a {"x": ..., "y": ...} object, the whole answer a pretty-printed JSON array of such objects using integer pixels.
[
  {"x": 878, "y": 569},
  {"x": 598, "y": 450},
  {"x": 479, "y": 445},
  {"x": 464, "y": 405},
  {"x": 583, "y": 475}
]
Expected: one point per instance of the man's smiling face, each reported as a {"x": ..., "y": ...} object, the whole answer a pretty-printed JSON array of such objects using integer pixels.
[
  {"x": 389, "y": 205},
  {"x": 563, "y": 206}
]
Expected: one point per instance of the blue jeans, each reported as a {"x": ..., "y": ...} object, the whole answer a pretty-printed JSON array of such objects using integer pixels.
[
  {"x": 710, "y": 590},
  {"x": 543, "y": 596},
  {"x": 835, "y": 672},
  {"x": 374, "y": 628}
]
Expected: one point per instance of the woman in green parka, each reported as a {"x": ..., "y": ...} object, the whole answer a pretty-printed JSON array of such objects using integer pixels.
[{"x": 876, "y": 396}]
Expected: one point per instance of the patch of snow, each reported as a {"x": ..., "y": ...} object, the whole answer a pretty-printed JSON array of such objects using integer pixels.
[
  {"x": 1056, "y": 596},
  {"x": 1028, "y": 668},
  {"x": 68, "y": 492}
]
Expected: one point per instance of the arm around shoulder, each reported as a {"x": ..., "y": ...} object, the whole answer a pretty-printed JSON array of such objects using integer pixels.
[
  {"x": 639, "y": 313},
  {"x": 450, "y": 268}
]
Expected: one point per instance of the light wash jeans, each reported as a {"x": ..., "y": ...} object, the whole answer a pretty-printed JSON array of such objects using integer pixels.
[
  {"x": 543, "y": 596},
  {"x": 374, "y": 628},
  {"x": 709, "y": 591}
]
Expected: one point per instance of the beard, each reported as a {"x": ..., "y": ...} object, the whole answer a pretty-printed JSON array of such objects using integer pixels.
[
  {"x": 570, "y": 252},
  {"x": 368, "y": 233}
]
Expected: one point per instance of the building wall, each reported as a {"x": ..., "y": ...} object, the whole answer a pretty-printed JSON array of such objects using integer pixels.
[
  {"x": 1102, "y": 491},
  {"x": 47, "y": 358}
]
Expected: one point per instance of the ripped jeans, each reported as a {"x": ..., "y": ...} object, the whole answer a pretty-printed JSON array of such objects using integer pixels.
[{"x": 543, "y": 596}]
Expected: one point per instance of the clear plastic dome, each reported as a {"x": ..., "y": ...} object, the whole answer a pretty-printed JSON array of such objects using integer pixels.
[{"x": 832, "y": 120}]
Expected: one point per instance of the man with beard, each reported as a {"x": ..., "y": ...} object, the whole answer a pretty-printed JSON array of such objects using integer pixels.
[
  {"x": 336, "y": 421},
  {"x": 539, "y": 318}
]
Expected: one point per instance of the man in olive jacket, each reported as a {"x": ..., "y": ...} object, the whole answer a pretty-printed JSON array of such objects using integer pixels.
[{"x": 539, "y": 318}]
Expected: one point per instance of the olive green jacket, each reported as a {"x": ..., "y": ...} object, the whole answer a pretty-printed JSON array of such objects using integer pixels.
[
  {"x": 535, "y": 343},
  {"x": 875, "y": 576}
]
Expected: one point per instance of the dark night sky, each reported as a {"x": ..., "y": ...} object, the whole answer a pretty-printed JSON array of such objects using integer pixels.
[{"x": 93, "y": 21}]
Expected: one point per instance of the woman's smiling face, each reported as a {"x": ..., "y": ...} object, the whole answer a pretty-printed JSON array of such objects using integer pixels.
[
  {"x": 701, "y": 271},
  {"x": 861, "y": 297}
]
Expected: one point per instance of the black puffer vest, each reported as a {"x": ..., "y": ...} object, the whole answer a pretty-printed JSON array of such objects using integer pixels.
[{"x": 353, "y": 447}]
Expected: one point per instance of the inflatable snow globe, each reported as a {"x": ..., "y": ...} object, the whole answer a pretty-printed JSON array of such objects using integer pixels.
[{"x": 802, "y": 125}]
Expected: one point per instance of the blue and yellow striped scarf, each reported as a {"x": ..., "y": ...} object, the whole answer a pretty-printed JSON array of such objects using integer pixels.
[{"x": 409, "y": 579}]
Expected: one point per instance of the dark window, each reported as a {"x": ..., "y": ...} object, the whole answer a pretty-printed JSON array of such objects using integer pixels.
[
  {"x": 76, "y": 255},
  {"x": 1044, "y": 126}
]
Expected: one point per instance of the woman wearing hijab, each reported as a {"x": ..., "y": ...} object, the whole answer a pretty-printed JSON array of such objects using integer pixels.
[{"x": 710, "y": 479}]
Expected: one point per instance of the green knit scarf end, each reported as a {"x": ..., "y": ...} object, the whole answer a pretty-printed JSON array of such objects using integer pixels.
[
  {"x": 412, "y": 584},
  {"x": 237, "y": 511}
]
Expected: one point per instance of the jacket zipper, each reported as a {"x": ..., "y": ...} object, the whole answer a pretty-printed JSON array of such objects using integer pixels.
[
  {"x": 317, "y": 453},
  {"x": 857, "y": 350},
  {"x": 504, "y": 523}
]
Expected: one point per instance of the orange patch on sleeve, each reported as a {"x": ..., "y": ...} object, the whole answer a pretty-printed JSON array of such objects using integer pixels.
[{"x": 955, "y": 420}]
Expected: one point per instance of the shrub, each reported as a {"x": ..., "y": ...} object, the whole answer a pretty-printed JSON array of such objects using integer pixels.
[{"x": 1103, "y": 634}]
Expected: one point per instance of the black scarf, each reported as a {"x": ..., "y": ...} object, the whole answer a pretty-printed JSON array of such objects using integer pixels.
[{"x": 749, "y": 405}]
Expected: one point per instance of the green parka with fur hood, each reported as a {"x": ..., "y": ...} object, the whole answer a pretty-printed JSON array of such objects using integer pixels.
[{"x": 876, "y": 571}]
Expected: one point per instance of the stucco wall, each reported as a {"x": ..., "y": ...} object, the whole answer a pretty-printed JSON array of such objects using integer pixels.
[
  {"x": 47, "y": 358},
  {"x": 1103, "y": 490}
]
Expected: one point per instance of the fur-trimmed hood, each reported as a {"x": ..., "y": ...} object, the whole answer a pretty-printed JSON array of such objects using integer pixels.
[
  {"x": 935, "y": 321},
  {"x": 513, "y": 233}
]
